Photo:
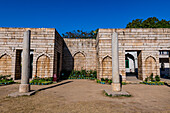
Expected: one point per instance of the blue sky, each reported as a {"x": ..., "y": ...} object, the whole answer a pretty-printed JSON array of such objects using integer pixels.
[{"x": 69, "y": 15}]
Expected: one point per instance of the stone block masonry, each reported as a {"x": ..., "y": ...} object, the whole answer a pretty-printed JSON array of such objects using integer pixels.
[
  {"x": 45, "y": 44},
  {"x": 147, "y": 42},
  {"x": 79, "y": 54},
  {"x": 51, "y": 54}
]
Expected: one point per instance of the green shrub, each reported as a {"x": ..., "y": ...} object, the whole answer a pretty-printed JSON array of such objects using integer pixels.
[
  {"x": 108, "y": 95},
  {"x": 146, "y": 79},
  {"x": 38, "y": 80},
  {"x": 123, "y": 83},
  {"x": 98, "y": 81},
  {"x": 157, "y": 78},
  {"x": 6, "y": 79},
  {"x": 151, "y": 77},
  {"x": 83, "y": 74},
  {"x": 109, "y": 81},
  {"x": 102, "y": 79}
]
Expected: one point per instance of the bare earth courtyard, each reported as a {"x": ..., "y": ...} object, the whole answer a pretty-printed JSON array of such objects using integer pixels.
[{"x": 85, "y": 96}]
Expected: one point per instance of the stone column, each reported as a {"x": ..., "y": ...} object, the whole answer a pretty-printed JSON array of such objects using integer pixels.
[
  {"x": 24, "y": 86},
  {"x": 169, "y": 64},
  {"x": 115, "y": 63}
]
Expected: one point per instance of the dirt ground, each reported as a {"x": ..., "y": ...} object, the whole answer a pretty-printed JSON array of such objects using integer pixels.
[{"x": 85, "y": 96}]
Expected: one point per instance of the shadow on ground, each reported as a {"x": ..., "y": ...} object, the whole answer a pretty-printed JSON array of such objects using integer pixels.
[{"x": 54, "y": 86}]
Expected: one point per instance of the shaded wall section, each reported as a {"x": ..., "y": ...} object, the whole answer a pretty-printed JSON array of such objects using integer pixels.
[{"x": 79, "y": 53}]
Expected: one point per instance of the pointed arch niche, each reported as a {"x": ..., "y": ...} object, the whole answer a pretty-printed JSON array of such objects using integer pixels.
[
  {"x": 5, "y": 65},
  {"x": 79, "y": 61},
  {"x": 150, "y": 66},
  {"x": 107, "y": 67},
  {"x": 43, "y": 66}
]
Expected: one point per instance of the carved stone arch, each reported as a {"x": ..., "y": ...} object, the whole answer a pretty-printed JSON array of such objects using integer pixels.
[
  {"x": 5, "y": 53},
  {"x": 5, "y": 64},
  {"x": 150, "y": 66},
  {"x": 43, "y": 66},
  {"x": 106, "y": 56},
  {"x": 42, "y": 54},
  {"x": 79, "y": 52},
  {"x": 79, "y": 61},
  {"x": 107, "y": 67}
]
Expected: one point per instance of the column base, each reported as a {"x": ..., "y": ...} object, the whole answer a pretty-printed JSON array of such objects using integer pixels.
[
  {"x": 116, "y": 87},
  {"x": 24, "y": 88}
]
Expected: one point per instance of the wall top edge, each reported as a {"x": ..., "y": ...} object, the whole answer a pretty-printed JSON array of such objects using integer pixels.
[
  {"x": 156, "y": 30},
  {"x": 77, "y": 39},
  {"x": 20, "y": 28}
]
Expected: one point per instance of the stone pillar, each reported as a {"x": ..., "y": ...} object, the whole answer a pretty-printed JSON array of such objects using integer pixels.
[
  {"x": 24, "y": 86},
  {"x": 115, "y": 63},
  {"x": 169, "y": 64}
]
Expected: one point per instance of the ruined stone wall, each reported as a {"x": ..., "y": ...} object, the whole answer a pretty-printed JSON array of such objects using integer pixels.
[
  {"x": 79, "y": 54},
  {"x": 42, "y": 46},
  {"x": 147, "y": 42}
]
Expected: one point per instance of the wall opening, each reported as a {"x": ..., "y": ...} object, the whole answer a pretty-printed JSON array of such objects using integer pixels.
[
  {"x": 18, "y": 64},
  {"x": 58, "y": 64},
  {"x": 131, "y": 63}
]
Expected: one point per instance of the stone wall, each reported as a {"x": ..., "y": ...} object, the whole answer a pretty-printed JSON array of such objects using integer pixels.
[
  {"x": 79, "y": 54},
  {"x": 147, "y": 42},
  {"x": 51, "y": 53},
  {"x": 43, "y": 42}
]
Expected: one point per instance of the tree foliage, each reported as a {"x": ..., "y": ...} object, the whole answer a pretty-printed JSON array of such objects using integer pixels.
[
  {"x": 80, "y": 34},
  {"x": 151, "y": 22}
]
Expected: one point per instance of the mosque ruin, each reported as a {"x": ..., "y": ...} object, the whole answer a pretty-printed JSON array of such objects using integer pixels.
[{"x": 141, "y": 52}]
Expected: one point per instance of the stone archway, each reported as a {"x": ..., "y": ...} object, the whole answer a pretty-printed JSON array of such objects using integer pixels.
[
  {"x": 5, "y": 65},
  {"x": 150, "y": 66},
  {"x": 129, "y": 63},
  {"x": 107, "y": 67},
  {"x": 79, "y": 61},
  {"x": 43, "y": 66}
]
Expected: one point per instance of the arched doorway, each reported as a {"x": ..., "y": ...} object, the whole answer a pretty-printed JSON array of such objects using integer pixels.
[
  {"x": 150, "y": 65},
  {"x": 107, "y": 67},
  {"x": 79, "y": 61},
  {"x": 129, "y": 63},
  {"x": 5, "y": 65},
  {"x": 43, "y": 66}
]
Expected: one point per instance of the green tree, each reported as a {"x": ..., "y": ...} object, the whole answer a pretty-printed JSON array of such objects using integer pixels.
[
  {"x": 80, "y": 34},
  {"x": 151, "y": 22}
]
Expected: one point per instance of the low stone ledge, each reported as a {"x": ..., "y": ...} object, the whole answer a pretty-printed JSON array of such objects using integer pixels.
[
  {"x": 18, "y": 94},
  {"x": 115, "y": 94}
]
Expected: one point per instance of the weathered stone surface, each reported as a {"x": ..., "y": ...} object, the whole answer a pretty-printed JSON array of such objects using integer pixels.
[
  {"x": 79, "y": 54},
  {"x": 46, "y": 43},
  {"x": 48, "y": 47},
  {"x": 115, "y": 93},
  {"x": 148, "y": 43},
  {"x": 24, "y": 86},
  {"x": 115, "y": 63},
  {"x": 18, "y": 94}
]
